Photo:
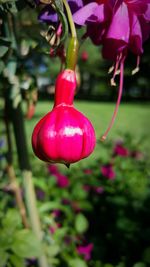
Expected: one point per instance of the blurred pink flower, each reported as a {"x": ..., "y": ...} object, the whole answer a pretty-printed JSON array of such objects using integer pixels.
[
  {"x": 62, "y": 180},
  {"x": 98, "y": 189},
  {"x": 56, "y": 213},
  {"x": 120, "y": 150},
  {"x": 108, "y": 172},
  {"x": 52, "y": 169},
  {"x": 85, "y": 251}
]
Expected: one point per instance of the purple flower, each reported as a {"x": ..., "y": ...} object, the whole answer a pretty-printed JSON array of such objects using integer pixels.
[
  {"x": 85, "y": 251},
  {"x": 108, "y": 172},
  {"x": 119, "y": 26}
]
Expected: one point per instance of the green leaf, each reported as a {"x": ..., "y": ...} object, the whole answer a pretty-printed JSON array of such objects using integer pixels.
[
  {"x": 53, "y": 250},
  {"x": 81, "y": 223},
  {"x": 3, "y": 258},
  {"x": 77, "y": 263},
  {"x": 26, "y": 245},
  {"x": 3, "y": 50},
  {"x": 12, "y": 220}
]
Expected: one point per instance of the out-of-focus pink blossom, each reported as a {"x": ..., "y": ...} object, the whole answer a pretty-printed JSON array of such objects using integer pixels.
[
  {"x": 98, "y": 189},
  {"x": 85, "y": 251},
  {"x": 56, "y": 213},
  {"x": 120, "y": 150},
  {"x": 62, "y": 180},
  {"x": 53, "y": 169},
  {"x": 108, "y": 172}
]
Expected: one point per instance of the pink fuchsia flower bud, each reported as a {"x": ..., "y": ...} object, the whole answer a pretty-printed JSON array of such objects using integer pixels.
[
  {"x": 64, "y": 135},
  {"x": 108, "y": 172}
]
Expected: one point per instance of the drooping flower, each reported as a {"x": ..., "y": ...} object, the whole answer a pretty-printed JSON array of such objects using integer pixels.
[
  {"x": 120, "y": 26},
  {"x": 64, "y": 135},
  {"x": 108, "y": 172},
  {"x": 86, "y": 251}
]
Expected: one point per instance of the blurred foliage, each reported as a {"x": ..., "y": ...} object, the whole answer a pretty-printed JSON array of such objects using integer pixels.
[
  {"x": 16, "y": 243},
  {"x": 86, "y": 206}
]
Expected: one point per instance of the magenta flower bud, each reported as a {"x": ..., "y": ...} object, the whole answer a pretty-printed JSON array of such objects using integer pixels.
[{"x": 64, "y": 135}]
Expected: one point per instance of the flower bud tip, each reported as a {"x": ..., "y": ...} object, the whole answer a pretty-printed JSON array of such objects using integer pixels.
[{"x": 67, "y": 165}]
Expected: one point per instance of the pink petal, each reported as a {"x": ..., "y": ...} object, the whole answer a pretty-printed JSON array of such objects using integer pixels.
[
  {"x": 135, "y": 35},
  {"x": 83, "y": 14},
  {"x": 117, "y": 37}
]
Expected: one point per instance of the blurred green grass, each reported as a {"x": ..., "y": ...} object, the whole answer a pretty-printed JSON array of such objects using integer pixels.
[{"x": 131, "y": 118}]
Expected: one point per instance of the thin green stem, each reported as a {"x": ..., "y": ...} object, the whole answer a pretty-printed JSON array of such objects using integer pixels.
[{"x": 71, "y": 22}]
